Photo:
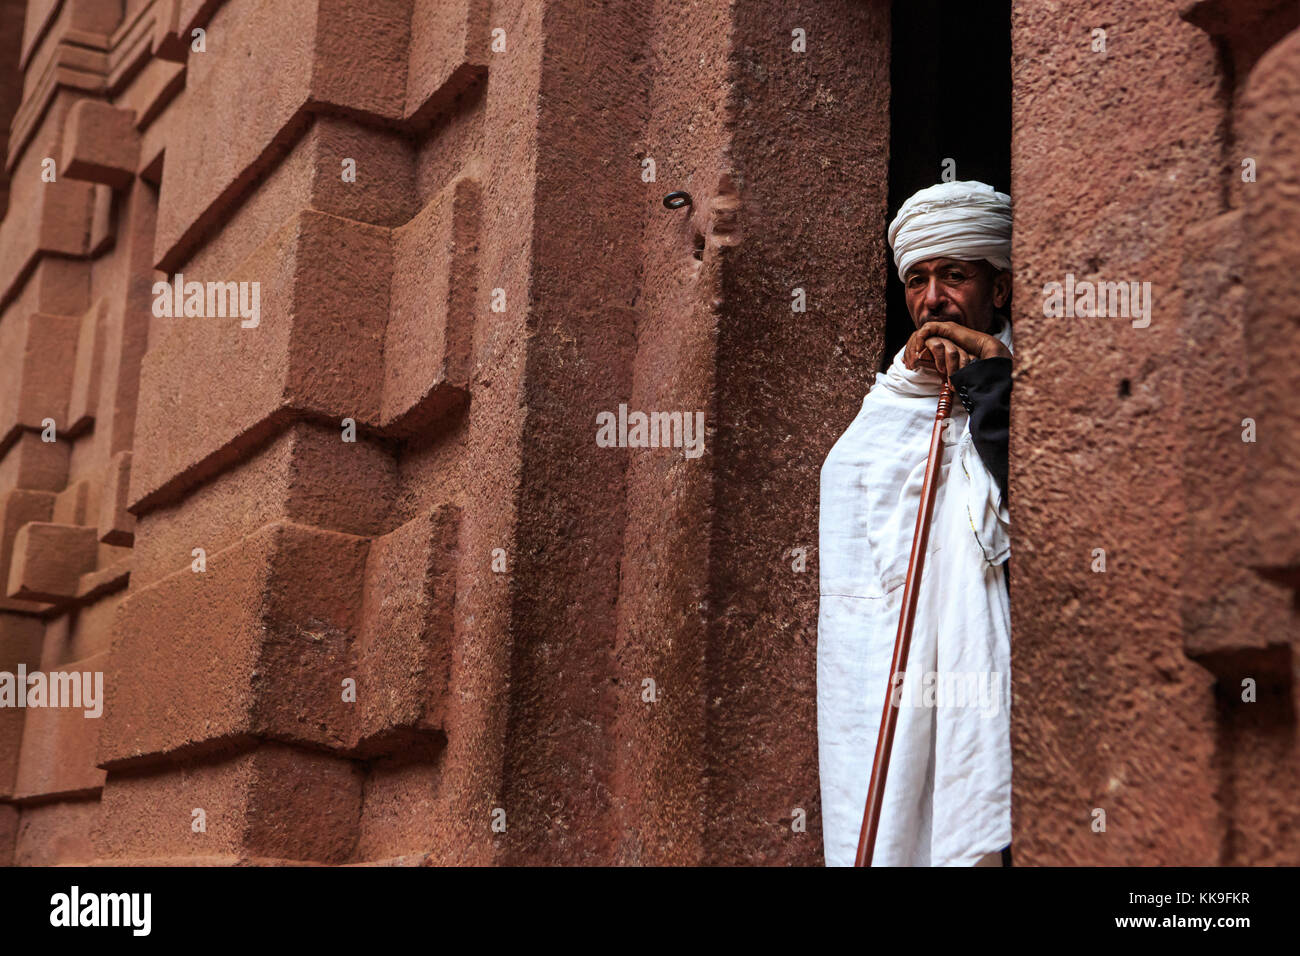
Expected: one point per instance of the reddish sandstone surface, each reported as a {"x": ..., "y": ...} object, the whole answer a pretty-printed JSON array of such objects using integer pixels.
[{"x": 387, "y": 484}]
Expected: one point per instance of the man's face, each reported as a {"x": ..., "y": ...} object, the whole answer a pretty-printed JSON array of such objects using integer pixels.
[{"x": 954, "y": 290}]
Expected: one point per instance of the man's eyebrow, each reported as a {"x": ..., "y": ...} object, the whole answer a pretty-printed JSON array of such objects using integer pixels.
[{"x": 948, "y": 264}]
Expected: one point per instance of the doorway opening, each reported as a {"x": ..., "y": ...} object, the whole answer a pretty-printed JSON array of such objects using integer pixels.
[{"x": 950, "y": 108}]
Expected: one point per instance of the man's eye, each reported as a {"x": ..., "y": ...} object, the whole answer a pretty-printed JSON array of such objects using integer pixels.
[{"x": 955, "y": 276}]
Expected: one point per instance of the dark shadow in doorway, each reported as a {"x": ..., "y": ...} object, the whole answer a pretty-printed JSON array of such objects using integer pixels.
[{"x": 950, "y": 80}]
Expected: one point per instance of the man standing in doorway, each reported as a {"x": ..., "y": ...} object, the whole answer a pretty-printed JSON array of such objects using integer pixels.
[{"x": 947, "y": 798}]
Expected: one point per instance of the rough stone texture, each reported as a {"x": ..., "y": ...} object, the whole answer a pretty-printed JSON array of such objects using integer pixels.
[
  {"x": 363, "y": 586},
  {"x": 1128, "y": 684}
]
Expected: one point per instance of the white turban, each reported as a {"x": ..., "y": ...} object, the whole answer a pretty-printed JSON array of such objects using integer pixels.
[{"x": 962, "y": 220}]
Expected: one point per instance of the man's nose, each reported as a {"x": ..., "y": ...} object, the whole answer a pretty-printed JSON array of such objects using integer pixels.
[{"x": 933, "y": 294}]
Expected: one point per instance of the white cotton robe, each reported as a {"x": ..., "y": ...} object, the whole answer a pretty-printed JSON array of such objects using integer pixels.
[{"x": 948, "y": 794}]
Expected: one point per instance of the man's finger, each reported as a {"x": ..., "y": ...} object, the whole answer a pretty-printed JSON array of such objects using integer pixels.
[
  {"x": 953, "y": 361},
  {"x": 916, "y": 352},
  {"x": 913, "y": 352},
  {"x": 937, "y": 347},
  {"x": 941, "y": 358},
  {"x": 968, "y": 339}
]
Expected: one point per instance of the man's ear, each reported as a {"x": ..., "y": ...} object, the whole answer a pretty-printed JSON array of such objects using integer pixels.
[{"x": 1001, "y": 288}]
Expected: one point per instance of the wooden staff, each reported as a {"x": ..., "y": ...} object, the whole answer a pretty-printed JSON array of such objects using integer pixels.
[{"x": 911, "y": 589}]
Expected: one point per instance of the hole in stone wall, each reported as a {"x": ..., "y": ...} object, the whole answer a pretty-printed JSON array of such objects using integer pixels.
[
  {"x": 950, "y": 79},
  {"x": 699, "y": 246},
  {"x": 1125, "y": 388}
]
